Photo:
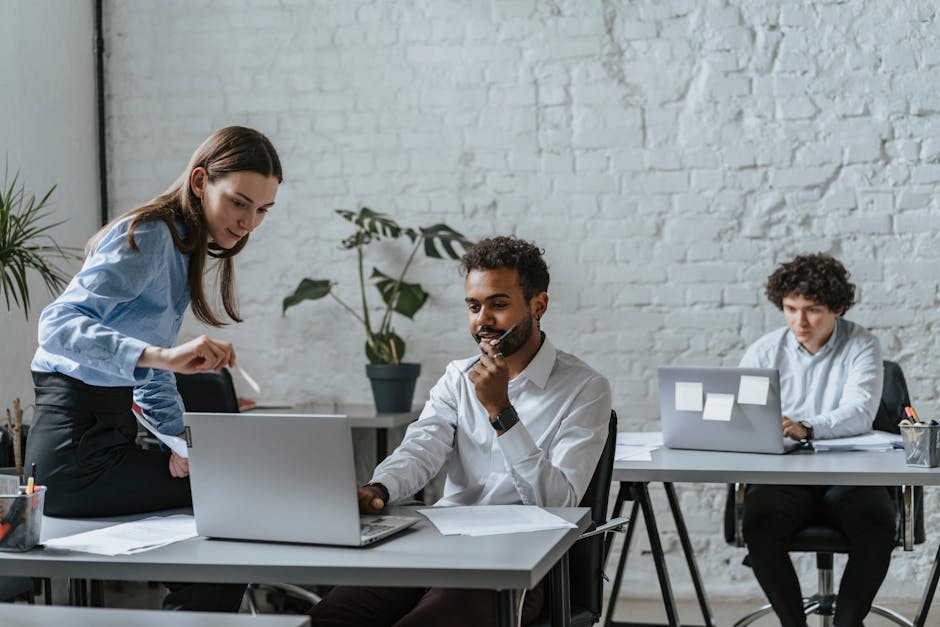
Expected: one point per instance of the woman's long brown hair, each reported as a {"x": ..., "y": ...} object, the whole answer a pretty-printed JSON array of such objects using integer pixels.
[{"x": 231, "y": 149}]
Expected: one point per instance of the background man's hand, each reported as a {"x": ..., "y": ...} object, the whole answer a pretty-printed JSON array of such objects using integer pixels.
[
  {"x": 490, "y": 378},
  {"x": 371, "y": 499},
  {"x": 793, "y": 430}
]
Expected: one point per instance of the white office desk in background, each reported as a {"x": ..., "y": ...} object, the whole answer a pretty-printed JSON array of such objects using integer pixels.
[{"x": 798, "y": 468}]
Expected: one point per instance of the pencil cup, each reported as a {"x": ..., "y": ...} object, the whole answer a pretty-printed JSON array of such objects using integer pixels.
[
  {"x": 921, "y": 444},
  {"x": 20, "y": 519}
]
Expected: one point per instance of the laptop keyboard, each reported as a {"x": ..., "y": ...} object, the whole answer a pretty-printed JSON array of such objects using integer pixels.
[{"x": 377, "y": 525}]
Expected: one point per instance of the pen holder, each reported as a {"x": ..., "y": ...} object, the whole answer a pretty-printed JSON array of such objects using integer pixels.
[
  {"x": 921, "y": 444},
  {"x": 20, "y": 519}
]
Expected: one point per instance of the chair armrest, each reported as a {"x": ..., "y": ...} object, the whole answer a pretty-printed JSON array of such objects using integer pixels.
[{"x": 612, "y": 526}]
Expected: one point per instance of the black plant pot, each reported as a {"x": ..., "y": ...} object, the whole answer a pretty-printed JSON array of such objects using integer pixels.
[{"x": 393, "y": 386}]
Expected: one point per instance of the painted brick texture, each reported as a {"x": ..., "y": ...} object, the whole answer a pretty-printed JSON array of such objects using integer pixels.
[{"x": 667, "y": 154}]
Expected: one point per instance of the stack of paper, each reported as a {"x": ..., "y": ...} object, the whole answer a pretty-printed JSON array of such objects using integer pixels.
[
  {"x": 131, "y": 537},
  {"x": 487, "y": 520},
  {"x": 874, "y": 441},
  {"x": 637, "y": 446}
]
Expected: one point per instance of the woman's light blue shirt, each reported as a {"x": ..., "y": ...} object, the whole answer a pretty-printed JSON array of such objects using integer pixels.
[{"x": 120, "y": 302}]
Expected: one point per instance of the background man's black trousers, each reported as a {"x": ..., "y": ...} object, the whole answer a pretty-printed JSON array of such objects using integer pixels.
[{"x": 865, "y": 515}]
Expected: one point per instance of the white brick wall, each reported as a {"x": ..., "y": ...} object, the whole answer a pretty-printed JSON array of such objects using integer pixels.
[{"x": 666, "y": 153}]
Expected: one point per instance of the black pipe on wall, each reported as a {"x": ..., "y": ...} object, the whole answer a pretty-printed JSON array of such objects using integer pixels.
[{"x": 102, "y": 134}]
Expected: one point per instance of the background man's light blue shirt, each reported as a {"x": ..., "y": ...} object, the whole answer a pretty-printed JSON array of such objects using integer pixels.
[
  {"x": 120, "y": 302},
  {"x": 837, "y": 390}
]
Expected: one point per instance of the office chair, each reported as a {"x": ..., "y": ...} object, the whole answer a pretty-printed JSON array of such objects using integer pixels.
[
  {"x": 825, "y": 541},
  {"x": 208, "y": 391},
  {"x": 586, "y": 557}
]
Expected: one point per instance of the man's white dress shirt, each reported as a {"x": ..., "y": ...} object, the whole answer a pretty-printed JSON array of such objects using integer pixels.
[
  {"x": 546, "y": 459},
  {"x": 837, "y": 390}
]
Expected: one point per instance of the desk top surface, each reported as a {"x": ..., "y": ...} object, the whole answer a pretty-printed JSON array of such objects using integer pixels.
[
  {"x": 419, "y": 556},
  {"x": 797, "y": 468},
  {"x": 42, "y": 615}
]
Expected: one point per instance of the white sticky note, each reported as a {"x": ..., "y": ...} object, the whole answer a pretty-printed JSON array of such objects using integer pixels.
[
  {"x": 753, "y": 390},
  {"x": 688, "y": 396},
  {"x": 718, "y": 407}
]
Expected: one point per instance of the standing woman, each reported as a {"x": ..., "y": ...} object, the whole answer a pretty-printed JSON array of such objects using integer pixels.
[{"x": 111, "y": 338}]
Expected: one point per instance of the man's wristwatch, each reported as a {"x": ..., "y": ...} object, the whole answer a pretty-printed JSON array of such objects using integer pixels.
[
  {"x": 809, "y": 430},
  {"x": 505, "y": 419}
]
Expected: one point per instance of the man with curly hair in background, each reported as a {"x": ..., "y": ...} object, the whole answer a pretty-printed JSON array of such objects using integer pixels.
[
  {"x": 830, "y": 386},
  {"x": 519, "y": 423}
]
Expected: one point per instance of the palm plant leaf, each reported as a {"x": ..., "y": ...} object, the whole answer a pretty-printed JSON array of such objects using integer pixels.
[
  {"x": 445, "y": 237},
  {"x": 26, "y": 244},
  {"x": 404, "y": 298},
  {"x": 372, "y": 225}
]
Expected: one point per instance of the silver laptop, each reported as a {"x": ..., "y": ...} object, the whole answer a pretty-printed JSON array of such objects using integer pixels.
[
  {"x": 749, "y": 426},
  {"x": 280, "y": 478}
]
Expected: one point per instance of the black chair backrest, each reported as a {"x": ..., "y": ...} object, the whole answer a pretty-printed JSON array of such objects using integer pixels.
[
  {"x": 586, "y": 558},
  {"x": 894, "y": 398},
  {"x": 208, "y": 391}
]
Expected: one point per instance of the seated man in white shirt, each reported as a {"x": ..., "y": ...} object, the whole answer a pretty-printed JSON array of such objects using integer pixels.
[
  {"x": 830, "y": 386},
  {"x": 522, "y": 422}
]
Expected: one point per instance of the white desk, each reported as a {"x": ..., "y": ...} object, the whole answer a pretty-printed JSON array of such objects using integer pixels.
[
  {"x": 798, "y": 468},
  {"x": 419, "y": 556},
  {"x": 45, "y": 615}
]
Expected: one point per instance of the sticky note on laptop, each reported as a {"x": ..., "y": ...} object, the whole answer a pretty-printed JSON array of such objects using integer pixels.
[
  {"x": 718, "y": 407},
  {"x": 753, "y": 390},
  {"x": 688, "y": 396}
]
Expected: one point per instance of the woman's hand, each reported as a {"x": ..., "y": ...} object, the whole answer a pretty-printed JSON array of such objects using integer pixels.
[
  {"x": 179, "y": 466},
  {"x": 198, "y": 355}
]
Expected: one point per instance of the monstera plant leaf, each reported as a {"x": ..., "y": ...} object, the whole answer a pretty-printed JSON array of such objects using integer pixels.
[
  {"x": 308, "y": 289},
  {"x": 445, "y": 237},
  {"x": 404, "y": 298}
]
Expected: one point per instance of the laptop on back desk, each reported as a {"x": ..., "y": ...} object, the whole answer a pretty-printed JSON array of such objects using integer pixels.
[
  {"x": 280, "y": 478},
  {"x": 753, "y": 424}
]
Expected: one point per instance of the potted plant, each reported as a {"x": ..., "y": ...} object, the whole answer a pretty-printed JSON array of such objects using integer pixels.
[
  {"x": 25, "y": 246},
  {"x": 392, "y": 379}
]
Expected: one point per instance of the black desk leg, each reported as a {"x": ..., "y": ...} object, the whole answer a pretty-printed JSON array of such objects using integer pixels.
[
  {"x": 921, "y": 619},
  {"x": 506, "y": 608},
  {"x": 622, "y": 562},
  {"x": 689, "y": 555},
  {"x": 659, "y": 558},
  {"x": 560, "y": 595},
  {"x": 78, "y": 593}
]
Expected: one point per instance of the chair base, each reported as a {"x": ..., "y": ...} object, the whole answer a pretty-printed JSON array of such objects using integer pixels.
[{"x": 824, "y": 606}]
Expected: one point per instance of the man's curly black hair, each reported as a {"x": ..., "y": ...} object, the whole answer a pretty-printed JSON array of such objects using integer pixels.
[
  {"x": 818, "y": 277},
  {"x": 509, "y": 252}
]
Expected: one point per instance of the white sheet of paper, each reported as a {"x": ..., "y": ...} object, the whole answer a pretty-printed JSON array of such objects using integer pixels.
[
  {"x": 874, "y": 441},
  {"x": 718, "y": 407},
  {"x": 688, "y": 396},
  {"x": 485, "y": 520},
  {"x": 640, "y": 438},
  {"x": 173, "y": 442},
  {"x": 753, "y": 390},
  {"x": 631, "y": 453},
  {"x": 131, "y": 537}
]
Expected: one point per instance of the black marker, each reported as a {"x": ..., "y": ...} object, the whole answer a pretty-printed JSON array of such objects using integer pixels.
[{"x": 499, "y": 341}]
